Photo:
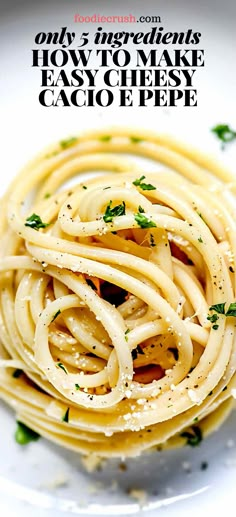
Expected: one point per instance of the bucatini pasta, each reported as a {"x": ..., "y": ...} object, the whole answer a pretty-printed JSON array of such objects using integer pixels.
[{"x": 117, "y": 308}]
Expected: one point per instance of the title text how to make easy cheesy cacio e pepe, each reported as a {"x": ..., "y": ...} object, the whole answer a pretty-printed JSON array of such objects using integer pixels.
[{"x": 154, "y": 68}]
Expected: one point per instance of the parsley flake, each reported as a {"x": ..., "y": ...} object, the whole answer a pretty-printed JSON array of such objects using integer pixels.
[
  {"x": 224, "y": 133},
  {"x": 24, "y": 434},
  {"x": 34, "y": 221},
  {"x": 126, "y": 336},
  {"x": 55, "y": 315},
  {"x": 65, "y": 417},
  {"x": 218, "y": 307},
  {"x": 194, "y": 436},
  {"x": 77, "y": 387},
  {"x": 68, "y": 143},
  {"x": 144, "y": 186},
  {"x": 142, "y": 220},
  {"x": 116, "y": 211},
  {"x": 212, "y": 318},
  {"x": 61, "y": 365},
  {"x": 105, "y": 138},
  {"x": 231, "y": 310},
  {"x": 135, "y": 139}
]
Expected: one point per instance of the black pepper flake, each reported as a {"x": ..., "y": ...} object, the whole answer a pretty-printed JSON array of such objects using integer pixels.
[{"x": 69, "y": 207}]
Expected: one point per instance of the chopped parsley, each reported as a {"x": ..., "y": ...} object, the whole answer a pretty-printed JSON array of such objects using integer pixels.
[
  {"x": 105, "y": 138},
  {"x": 24, "y": 434},
  {"x": 218, "y": 307},
  {"x": 84, "y": 187},
  {"x": 116, "y": 211},
  {"x": 200, "y": 239},
  {"x": 231, "y": 310},
  {"x": 224, "y": 133},
  {"x": 136, "y": 351},
  {"x": 135, "y": 139},
  {"x": 142, "y": 220},
  {"x": 65, "y": 417},
  {"x": 77, "y": 387},
  {"x": 126, "y": 336},
  {"x": 144, "y": 186},
  {"x": 141, "y": 209},
  {"x": 61, "y": 365},
  {"x": 193, "y": 436},
  {"x": 68, "y": 143},
  {"x": 34, "y": 221},
  {"x": 17, "y": 373},
  {"x": 47, "y": 195},
  {"x": 213, "y": 318},
  {"x": 55, "y": 315}
]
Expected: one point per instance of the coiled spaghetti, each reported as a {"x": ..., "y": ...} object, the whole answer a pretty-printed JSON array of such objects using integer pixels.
[{"x": 117, "y": 294}]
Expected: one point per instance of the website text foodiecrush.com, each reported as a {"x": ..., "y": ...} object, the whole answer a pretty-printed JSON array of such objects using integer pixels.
[{"x": 97, "y": 18}]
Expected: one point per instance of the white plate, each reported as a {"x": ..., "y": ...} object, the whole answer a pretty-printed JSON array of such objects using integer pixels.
[{"x": 174, "y": 480}]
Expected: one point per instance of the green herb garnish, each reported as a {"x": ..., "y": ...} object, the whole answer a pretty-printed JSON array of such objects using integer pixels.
[
  {"x": 24, "y": 434},
  {"x": 17, "y": 373},
  {"x": 200, "y": 239},
  {"x": 142, "y": 220},
  {"x": 141, "y": 209},
  {"x": 34, "y": 221},
  {"x": 55, "y": 315},
  {"x": 224, "y": 133},
  {"x": 144, "y": 186},
  {"x": 215, "y": 327},
  {"x": 116, "y": 211},
  {"x": 135, "y": 139},
  {"x": 84, "y": 187},
  {"x": 68, "y": 143},
  {"x": 61, "y": 365},
  {"x": 47, "y": 195},
  {"x": 105, "y": 138},
  {"x": 231, "y": 310},
  {"x": 212, "y": 318},
  {"x": 193, "y": 436},
  {"x": 65, "y": 417},
  {"x": 126, "y": 336},
  {"x": 218, "y": 307},
  {"x": 77, "y": 387}
]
